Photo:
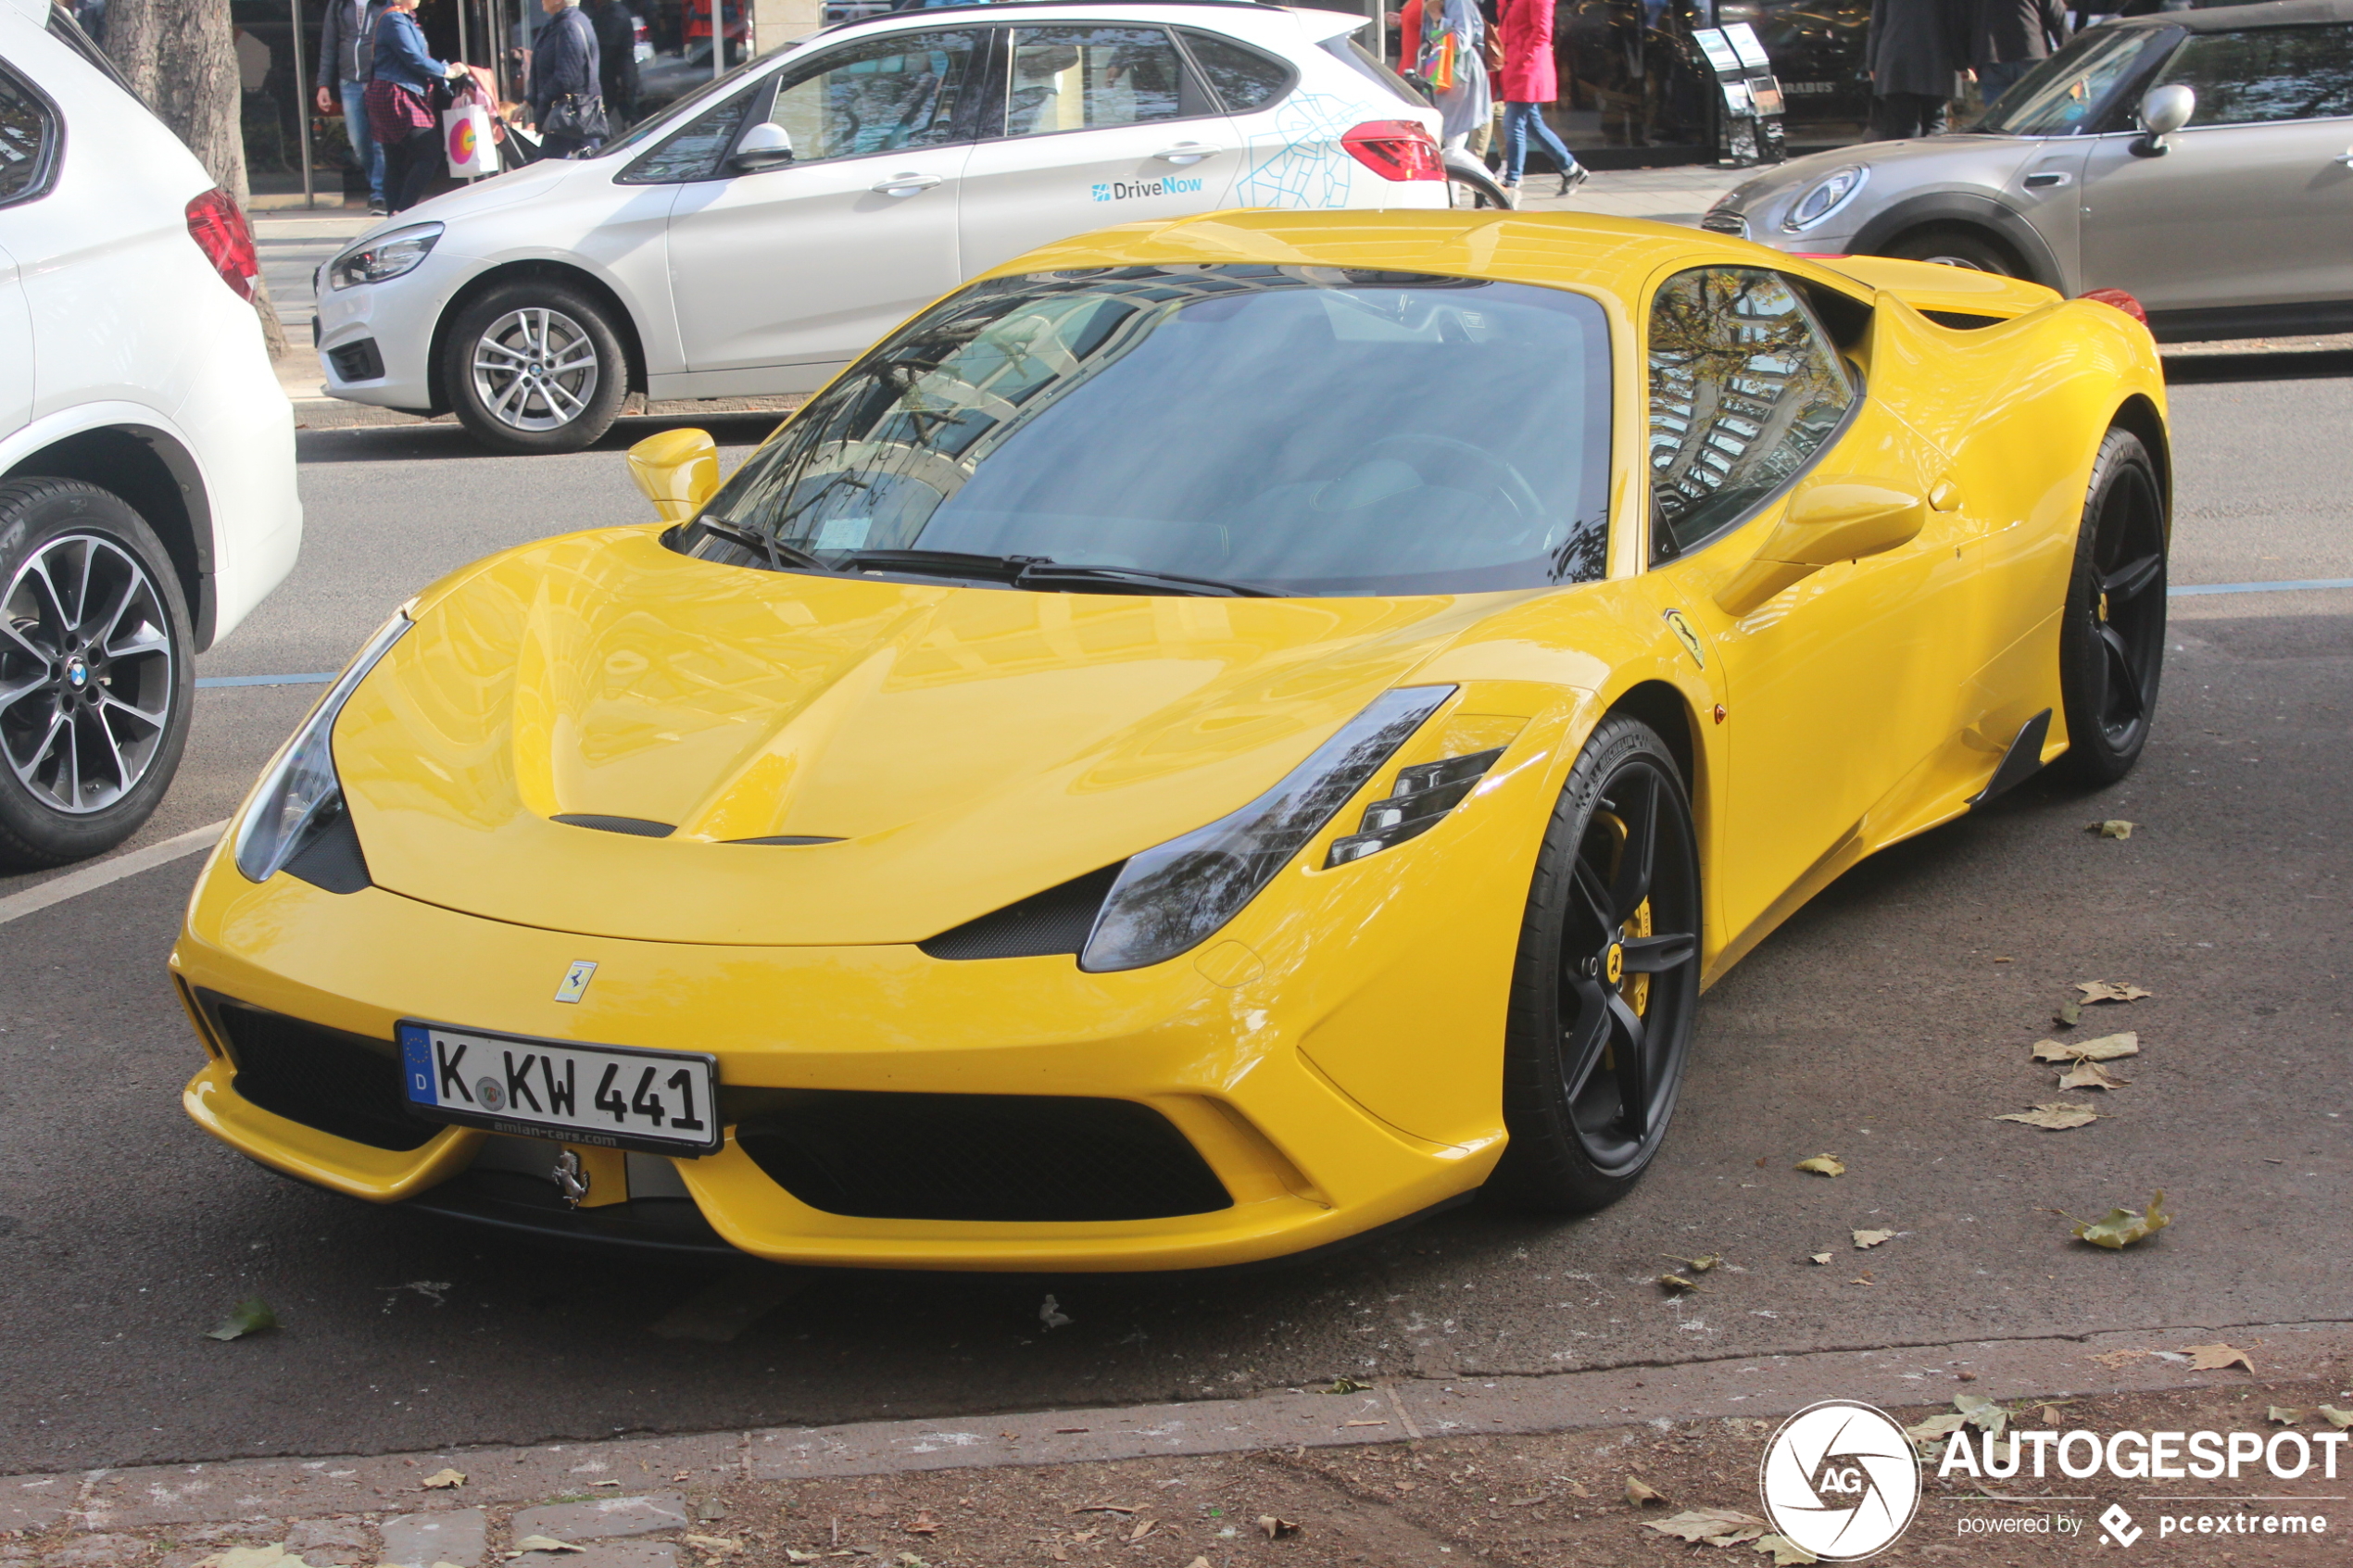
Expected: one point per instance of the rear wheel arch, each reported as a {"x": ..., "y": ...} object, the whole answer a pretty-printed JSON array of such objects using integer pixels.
[
  {"x": 157, "y": 478},
  {"x": 2139, "y": 415},
  {"x": 624, "y": 322}
]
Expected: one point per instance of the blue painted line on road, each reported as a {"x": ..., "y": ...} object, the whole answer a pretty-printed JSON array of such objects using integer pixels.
[
  {"x": 2258, "y": 587},
  {"x": 263, "y": 680}
]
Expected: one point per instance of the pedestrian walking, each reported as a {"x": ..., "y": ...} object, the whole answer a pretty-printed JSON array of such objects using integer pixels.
[
  {"x": 1915, "y": 51},
  {"x": 402, "y": 76},
  {"x": 346, "y": 46},
  {"x": 1445, "y": 41},
  {"x": 2008, "y": 38},
  {"x": 1530, "y": 83},
  {"x": 566, "y": 92},
  {"x": 616, "y": 28}
]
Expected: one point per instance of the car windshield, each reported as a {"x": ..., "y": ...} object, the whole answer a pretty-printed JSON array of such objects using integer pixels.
[
  {"x": 2064, "y": 95},
  {"x": 1302, "y": 431}
]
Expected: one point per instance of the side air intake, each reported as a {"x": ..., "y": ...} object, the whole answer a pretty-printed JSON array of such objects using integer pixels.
[{"x": 1056, "y": 920}]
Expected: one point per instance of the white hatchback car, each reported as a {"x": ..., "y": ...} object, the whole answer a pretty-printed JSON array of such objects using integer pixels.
[
  {"x": 146, "y": 452},
  {"x": 758, "y": 236}
]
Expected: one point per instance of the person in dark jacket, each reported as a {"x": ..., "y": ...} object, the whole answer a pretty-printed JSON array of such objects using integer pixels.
[
  {"x": 1915, "y": 51},
  {"x": 401, "y": 77},
  {"x": 564, "y": 70},
  {"x": 346, "y": 48},
  {"x": 616, "y": 27},
  {"x": 2008, "y": 38}
]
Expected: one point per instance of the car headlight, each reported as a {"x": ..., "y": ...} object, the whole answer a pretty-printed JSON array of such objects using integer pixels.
[
  {"x": 389, "y": 256},
  {"x": 300, "y": 797},
  {"x": 1175, "y": 896},
  {"x": 1823, "y": 197}
]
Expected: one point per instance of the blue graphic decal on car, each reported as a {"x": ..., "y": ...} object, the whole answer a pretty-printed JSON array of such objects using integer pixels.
[{"x": 1303, "y": 164}]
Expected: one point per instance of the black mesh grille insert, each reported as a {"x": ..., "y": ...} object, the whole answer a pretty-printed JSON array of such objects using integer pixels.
[
  {"x": 981, "y": 1157},
  {"x": 344, "y": 1085},
  {"x": 1056, "y": 920}
]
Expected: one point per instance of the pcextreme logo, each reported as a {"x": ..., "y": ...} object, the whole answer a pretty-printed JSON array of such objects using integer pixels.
[{"x": 1839, "y": 1480}]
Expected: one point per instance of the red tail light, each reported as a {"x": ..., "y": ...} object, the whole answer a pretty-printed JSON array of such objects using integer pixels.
[
  {"x": 1396, "y": 149},
  {"x": 2122, "y": 300},
  {"x": 218, "y": 229}
]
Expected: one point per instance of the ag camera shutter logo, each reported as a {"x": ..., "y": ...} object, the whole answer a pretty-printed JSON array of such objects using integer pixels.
[{"x": 1839, "y": 1479}]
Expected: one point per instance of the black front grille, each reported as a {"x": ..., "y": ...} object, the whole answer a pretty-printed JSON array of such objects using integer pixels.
[
  {"x": 980, "y": 1157},
  {"x": 1056, "y": 920},
  {"x": 346, "y": 1085},
  {"x": 358, "y": 361}
]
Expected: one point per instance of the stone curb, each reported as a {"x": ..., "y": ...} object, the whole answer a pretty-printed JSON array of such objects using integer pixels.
[{"x": 1763, "y": 1386}]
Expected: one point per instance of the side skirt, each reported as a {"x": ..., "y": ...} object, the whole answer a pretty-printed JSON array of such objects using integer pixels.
[{"x": 2021, "y": 763}]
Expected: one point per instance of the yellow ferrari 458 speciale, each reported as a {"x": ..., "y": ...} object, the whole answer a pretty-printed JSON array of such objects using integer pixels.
[{"x": 1212, "y": 738}]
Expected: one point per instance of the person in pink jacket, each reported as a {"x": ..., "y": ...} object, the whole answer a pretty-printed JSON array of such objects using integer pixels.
[{"x": 1529, "y": 83}]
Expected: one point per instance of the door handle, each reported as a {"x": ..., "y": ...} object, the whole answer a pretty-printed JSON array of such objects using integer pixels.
[
  {"x": 2046, "y": 180},
  {"x": 1187, "y": 152},
  {"x": 905, "y": 184}
]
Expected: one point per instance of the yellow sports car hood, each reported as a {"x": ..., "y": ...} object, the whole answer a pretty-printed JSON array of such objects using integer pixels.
[{"x": 958, "y": 749}]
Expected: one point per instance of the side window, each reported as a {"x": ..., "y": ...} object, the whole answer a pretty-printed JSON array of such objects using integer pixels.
[
  {"x": 29, "y": 137},
  {"x": 1745, "y": 389},
  {"x": 1245, "y": 79},
  {"x": 883, "y": 96},
  {"x": 694, "y": 151},
  {"x": 1089, "y": 78},
  {"x": 2266, "y": 74}
]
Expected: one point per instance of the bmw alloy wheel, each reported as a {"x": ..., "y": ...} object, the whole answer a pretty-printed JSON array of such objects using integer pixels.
[
  {"x": 536, "y": 369},
  {"x": 86, "y": 673}
]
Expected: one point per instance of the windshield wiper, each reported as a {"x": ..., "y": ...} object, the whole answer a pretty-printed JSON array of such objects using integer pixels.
[
  {"x": 779, "y": 555},
  {"x": 1041, "y": 571}
]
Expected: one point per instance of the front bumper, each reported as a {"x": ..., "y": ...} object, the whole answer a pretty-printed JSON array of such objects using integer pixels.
[{"x": 386, "y": 329}]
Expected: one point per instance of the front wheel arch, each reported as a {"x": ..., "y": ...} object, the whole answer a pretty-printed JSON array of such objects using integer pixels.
[{"x": 624, "y": 323}]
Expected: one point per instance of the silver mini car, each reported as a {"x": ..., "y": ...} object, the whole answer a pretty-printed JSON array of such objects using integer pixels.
[{"x": 2200, "y": 161}]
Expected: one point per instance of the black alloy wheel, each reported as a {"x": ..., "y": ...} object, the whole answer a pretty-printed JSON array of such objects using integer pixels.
[
  {"x": 97, "y": 684},
  {"x": 1606, "y": 984},
  {"x": 2112, "y": 639}
]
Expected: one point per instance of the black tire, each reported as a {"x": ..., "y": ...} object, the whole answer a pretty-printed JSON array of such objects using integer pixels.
[
  {"x": 534, "y": 366},
  {"x": 1608, "y": 959},
  {"x": 2112, "y": 636},
  {"x": 1953, "y": 245},
  {"x": 97, "y": 675}
]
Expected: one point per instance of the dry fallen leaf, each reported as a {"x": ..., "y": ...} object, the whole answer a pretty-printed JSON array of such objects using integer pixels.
[
  {"x": 251, "y": 1315},
  {"x": 2114, "y": 827},
  {"x": 2110, "y": 991},
  {"x": 1822, "y": 1257},
  {"x": 2091, "y": 1075},
  {"x": 1823, "y": 1166},
  {"x": 1143, "y": 1528},
  {"x": 792, "y": 1556},
  {"x": 1276, "y": 1529},
  {"x": 542, "y": 1543},
  {"x": 2214, "y": 1358},
  {"x": 1198, "y": 1563},
  {"x": 2119, "y": 1358},
  {"x": 275, "y": 1556},
  {"x": 719, "y": 1544},
  {"x": 1981, "y": 1412},
  {"x": 2068, "y": 1014},
  {"x": 2107, "y": 1048},
  {"x": 1696, "y": 1265},
  {"x": 1871, "y": 1239},
  {"x": 2059, "y": 1116},
  {"x": 1936, "y": 1428},
  {"x": 440, "y": 1479},
  {"x": 1638, "y": 1494},
  {"x": 1785, "y": 1554},
  {"x": 922, "y": 1525},
  {"x": 2283, "y": 1415},
  {"x": 2121, "y": 1227},
  {"x": 1709, "y": 1524},
  {"x": 2334, "y": 1417},
  {"x": 1345, "y": 1386},
  {"x": 1675, "y": 1284}
]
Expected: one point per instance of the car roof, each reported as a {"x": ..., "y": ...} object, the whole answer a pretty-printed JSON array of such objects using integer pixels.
[
  {"x": 2232, "y": 18},
  {"x": 957, "y": 6}
]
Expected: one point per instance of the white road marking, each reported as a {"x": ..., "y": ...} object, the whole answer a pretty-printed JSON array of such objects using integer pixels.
[
  {"x": 2258, "y": 587},
  {"x": 90, "y": 878}
]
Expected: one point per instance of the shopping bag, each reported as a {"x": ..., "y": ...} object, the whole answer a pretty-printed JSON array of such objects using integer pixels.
[{"x": 466, "y": 136}]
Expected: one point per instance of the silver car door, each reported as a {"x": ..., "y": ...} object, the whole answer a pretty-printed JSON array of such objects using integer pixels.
[{"x": 2251, "y": 204}]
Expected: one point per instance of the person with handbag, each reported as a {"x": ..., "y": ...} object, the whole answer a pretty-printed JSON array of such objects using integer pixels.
[
  {"x": 403, "y": 81},
  {"x": 567, "y": 95},
  {"x": 1446, "y": 55}
]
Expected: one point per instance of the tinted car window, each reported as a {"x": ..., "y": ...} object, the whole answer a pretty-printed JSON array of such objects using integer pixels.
[
  {"x": 1305, "y": 430},
  {"x": 883, "y": 95},
  {"x": 1745, "y": 389},
  {"x": 1082, "y": 78},
  {"x": 2063, "y": 97},
  {"x": 27, "y": 139},
  {"x": 2266, "y": 74},
  {"x": 694, "y": 153},
  {"x": 1244, "y": 78}
]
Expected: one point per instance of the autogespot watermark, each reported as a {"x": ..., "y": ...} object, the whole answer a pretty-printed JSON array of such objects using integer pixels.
[{"x": 1841, "y": 1480}]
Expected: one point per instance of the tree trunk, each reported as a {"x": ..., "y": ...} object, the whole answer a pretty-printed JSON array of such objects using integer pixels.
[{"x": 180, "y": 56}]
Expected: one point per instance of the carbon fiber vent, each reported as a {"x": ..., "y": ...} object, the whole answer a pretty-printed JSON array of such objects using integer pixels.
[
  {"x": 1056, "y": 920},
  {"x": 636, "y": 827}
]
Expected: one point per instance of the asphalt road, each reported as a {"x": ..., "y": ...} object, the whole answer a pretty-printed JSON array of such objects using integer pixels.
[{"x": 1886, "y": 1023}]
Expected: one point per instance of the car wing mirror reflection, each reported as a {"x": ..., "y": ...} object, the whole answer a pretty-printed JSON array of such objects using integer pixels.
[
  {"x": 2163, "y": 111},
  {"x": 678, "y": 469},
  {"x": 765, "y": 145},
  {"x": 1828, "y": 521}
]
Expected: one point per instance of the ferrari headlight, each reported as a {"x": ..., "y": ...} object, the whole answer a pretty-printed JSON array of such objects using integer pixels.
[
  {"x": 1171, "y": 899},
  {"x": 395, "y": 253},
  {"x": 1823, "y": 197},
  {"x": 300, "y": 797}
]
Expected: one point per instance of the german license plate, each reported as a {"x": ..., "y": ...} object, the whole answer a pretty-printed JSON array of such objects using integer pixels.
[{"x": 613, "y": 1097}]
